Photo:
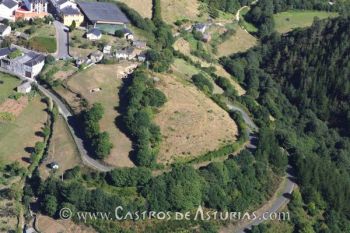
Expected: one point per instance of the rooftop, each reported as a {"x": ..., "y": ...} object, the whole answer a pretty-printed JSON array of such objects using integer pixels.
[
  {"x": 103, "y": 12},
  {"x": 2, "y": 28},
  {"x": 8, "y": 3},
  {"x": 70, "y": 11},
  {"x": 94, "y": 31},
  {"x": 27, "y": 58}
]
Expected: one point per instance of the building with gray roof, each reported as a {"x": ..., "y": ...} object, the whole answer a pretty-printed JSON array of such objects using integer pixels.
[
  {"x": 27, "y": 64},
  {"x": 102, "y": 13}
]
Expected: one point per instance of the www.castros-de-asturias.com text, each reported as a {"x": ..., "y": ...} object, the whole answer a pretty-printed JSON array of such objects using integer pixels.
[{"x": 200, "y": 214}]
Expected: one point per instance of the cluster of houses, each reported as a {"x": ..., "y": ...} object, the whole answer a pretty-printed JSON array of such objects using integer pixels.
[
  {"x": 24, "y": 9},
  {"x": 201, "y": 28},
  {"x": 134, "y": 52}
]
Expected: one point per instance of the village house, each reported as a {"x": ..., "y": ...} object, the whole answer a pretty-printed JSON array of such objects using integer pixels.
[
  {"x": 8, "y": 9},
  {"x": 4, "y": 30},
  {"x": 126, "y": 53},
  {"x": 128, "y": 34},
  {"x": 96, "y": 56},
  {"x": 68, "y": 11},
  {"x": 94, "y": 34},
  {"x": 142, "y": 57},
  {"x": 24, "y": 88},
  {"x": 107, "y": 49},
  {"x": 139, "y": 44},
  {"x": 70, "y": 15},
  {"x": 32, "y": 9},
  {"x": 24, "y": 63},
  {"x": 200, "y": 27}
]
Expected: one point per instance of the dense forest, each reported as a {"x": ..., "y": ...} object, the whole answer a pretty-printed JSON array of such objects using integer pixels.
[{"x": 302, "y": 80}]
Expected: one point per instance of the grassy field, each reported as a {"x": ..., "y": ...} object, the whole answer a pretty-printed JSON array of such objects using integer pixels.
[
  {"x": 43, "y": 44},
  {"x": 43, "y": 39},
  {"x": 8, "y": 85},
  {"x": 289, "y": 20},
  {"x": 143, "y": 7},
  {"x": 173, "y": 10},
  {"x": 24, "y": 130},
  {"x": 108, "y": 79},
  {"x": 190, "y": 122},
  {"x": 246, "y": 25},
  {"x": 239, "y": 42},
  {"x": 184, "y": 47},
  {"x": 62, "y": 150}
]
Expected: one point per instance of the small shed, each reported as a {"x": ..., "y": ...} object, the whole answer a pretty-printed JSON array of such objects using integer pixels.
[
  {"x": 24, "y": 88},
  {"x": 94, "y": 34}
]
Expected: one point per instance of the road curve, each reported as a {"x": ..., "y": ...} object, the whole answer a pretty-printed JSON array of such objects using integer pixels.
[
  {"x": 64, "y": 111},
  {"x": 276, "y": 206},
  {"x": 66, "y": 114},
  {"x": 280, "y": 201}
]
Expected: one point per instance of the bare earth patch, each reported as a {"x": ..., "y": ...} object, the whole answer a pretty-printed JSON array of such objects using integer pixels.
[
  {"x": 49, "y": 225},
  {"x": 108, "y": 79},
  {"x": 191, "y": 123},
  {"x": 143, "y": 7},
  {"x": 14, "y": 107},
  {"x": 239, "y": 42}
]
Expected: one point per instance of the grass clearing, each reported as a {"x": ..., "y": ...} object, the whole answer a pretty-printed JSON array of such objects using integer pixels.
[
  {"x": 173, "y": 10},
  {"x": 190, "y": 122},
  {"x": 24, "y": 129},
  {"x": 143, "y": 7},
  {"x": 107, "y": 78},
  {"x": 8, "y": 85},
  {"x": 289, "y": 20},
  {"x": 245, "y": 24},
  {"x": 239, "y": 42},
  {"x": 43, "y": 38},
  {"x": 43, "y": 44},
  {"x": 62, "y": 150},
  {"x": 184, "y": 47}
]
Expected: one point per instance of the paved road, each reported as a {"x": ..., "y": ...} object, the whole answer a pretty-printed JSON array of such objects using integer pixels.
[
  {"x": 287, "y": 190},
  {"x": 64, "y": 111},
  {"x": 62, "y": 41},
  {"x": 277, "y": 204}
]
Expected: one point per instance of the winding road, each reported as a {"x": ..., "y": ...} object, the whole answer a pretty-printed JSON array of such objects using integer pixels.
[{"x": 66, "y": 114}]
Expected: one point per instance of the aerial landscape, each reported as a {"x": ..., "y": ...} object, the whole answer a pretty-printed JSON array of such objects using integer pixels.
[{"x": 203, "y": 116}]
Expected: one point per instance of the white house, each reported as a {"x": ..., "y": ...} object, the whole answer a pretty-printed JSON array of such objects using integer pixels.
[
  {"x": 24, "y": 63},
  {"x": 126, "y": 53},
  {"x": 24, "y": 88},
  {"x": 107, "y": 49},
  {"x": 139, "y": 44},
  {"x": 200, "y": 27},
  {"x": 94, "y": 34},
  {"x": 96, "y": 56},
  {"x": 37, "y": 6},
  {"x": 61, "y": 4},
  {"x": 8, "y": 8},
  {"x": 4, "y": 30}
]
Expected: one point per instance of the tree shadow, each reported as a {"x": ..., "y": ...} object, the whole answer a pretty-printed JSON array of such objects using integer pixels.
[
  {"x": 29, "y": 149},
  {"x": 122, "y": 109}
]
